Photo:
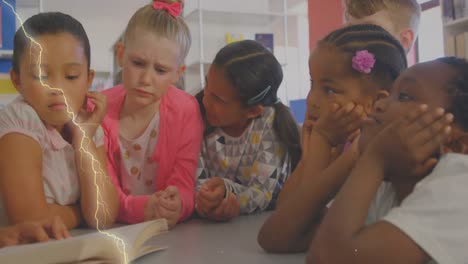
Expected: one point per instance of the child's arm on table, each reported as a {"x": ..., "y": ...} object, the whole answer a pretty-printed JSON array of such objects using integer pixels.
[
  {"x": 343, "y": 237},
  {"x": 91, "y": 166},
  {"x": 176, "y": 202},
  {"x": 21, "y": 183},
  {"x": 334, "y": 127},
  {"x": 292, "y": 225}
]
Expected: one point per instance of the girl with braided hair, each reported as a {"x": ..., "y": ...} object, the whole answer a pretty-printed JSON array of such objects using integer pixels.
[
  {"x": 405, "y": 199},
  {"x": 349, "y": 70}
]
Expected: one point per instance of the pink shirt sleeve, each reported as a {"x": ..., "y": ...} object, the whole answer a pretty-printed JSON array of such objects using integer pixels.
[
  {"x": 132, "y": 208},
  {"x": 186, "y": 162}
]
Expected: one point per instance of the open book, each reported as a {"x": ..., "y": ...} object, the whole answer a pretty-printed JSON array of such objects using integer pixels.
[{"x": 91, "y": 248}]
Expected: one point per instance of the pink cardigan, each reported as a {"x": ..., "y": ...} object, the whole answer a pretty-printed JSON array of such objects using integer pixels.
[{"x": 177, "y": 150}]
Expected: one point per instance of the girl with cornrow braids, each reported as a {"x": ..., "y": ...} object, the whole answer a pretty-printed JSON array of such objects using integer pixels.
[
  {"x": 405, "y": 199},
  {"x": 349, "y": 70}
]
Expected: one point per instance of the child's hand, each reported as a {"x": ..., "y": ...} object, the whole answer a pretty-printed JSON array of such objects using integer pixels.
[
  {"x": 152, "y": 206},
  {"x": 89, "y": 119},
  {"x": 407, "y": 146},
  {"x": 170, "y": 205},
  {"x": 29, "y": 232},
  {"x": 307, "y": 127},
  {"x": 228, "y": 209},
  {"x": 338, "y": 123},
  {"x": 210, "y": 195}
]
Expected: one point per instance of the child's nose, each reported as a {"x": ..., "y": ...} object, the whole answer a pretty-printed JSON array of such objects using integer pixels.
[{"x": 146, "y": 77}]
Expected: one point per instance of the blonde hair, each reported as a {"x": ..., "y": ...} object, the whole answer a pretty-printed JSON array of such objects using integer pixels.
[
  {"x": 404, "y": 13},
  {"x": 161, "y": 23}
]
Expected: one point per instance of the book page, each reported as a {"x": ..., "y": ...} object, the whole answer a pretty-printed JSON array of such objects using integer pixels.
[
  {"x": 69, "y": 250},
  {"x": 91, "y": 247}
]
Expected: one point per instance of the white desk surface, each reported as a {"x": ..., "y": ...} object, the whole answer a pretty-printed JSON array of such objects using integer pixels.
[{"x": 204, "y": 242}]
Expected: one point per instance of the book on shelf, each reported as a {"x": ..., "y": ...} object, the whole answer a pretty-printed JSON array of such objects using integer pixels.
[
  {"x": 91, "y": 248},
  {"x": 266, "y": 40},
  {"x": 233, "y": 37},
  {"x": 450, "y": 47},
  {"x": 461, "y": 45},
  {"x": 454, "y": 9}
]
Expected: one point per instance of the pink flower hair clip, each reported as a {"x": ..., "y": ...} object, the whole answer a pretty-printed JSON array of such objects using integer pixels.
[
  {"x": 174, "y": 9},
  {"x": 363, "y": 61}
]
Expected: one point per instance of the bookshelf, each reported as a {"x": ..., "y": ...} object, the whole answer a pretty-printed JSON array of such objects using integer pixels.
[
  {"x": 455, "y": 19},
  {"x": 212, "y": 22}
]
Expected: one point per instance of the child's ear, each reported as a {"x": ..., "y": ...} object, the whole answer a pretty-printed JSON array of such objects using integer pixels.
[
  {"x": 255, "y": 111},
  {"x": 180, "y": 71},
  {"x": 15, "y": 79},
  {"x": 120, "y": 53},
  {"x": 91, "y": 74},
  {"x": 407, "y": 38}
]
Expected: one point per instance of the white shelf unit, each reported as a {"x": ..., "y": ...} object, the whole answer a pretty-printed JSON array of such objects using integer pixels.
[
  {"x": 6, "y": 54},
  {"x": 457, "y": 26},
  {"x": 211, "y": 20},
  {"x": 453, "y": 27}
]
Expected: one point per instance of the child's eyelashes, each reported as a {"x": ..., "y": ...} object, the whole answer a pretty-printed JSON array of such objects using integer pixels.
[
  {"x": 138, "y": 63},
  {"x": 330, "y": 91},
  {"x": 160, "y": 71},
  {"x": 72, "y": 77},
  {"x": 404, "y": 97}
]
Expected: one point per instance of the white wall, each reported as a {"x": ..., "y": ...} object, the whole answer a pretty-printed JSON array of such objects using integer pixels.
[{"x": 105, "y": 20}]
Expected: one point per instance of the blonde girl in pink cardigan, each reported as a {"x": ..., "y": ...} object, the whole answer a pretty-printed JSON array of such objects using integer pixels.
[{"x": 153, "y": 131}]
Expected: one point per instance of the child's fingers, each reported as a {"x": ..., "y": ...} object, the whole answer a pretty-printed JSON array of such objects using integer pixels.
[
  {"x": 307, "y": 127},
  {"x": 32, "y": 232},
  {"x": 230, "y": 212},
  {"x": 235, "y": 210},
  {"x": 213, "y": 183},
  {"x": 170, "y": 205},
  {"x": 354, "y": 135},
  {"x": 415, "y": 114},
  {"x": 425, "y": 168},
  {"x": 354, "y": 116},
  {"x": 6, "y": 241},
  {"x": 207, "y": 205},
  {"x": 229, "y": 206},
  {"x": 425, "y": 120},
  {"x": 172, "y": 191},
  {"x": 344, "y": 110},
  {"x": 218, "y": 212},
  {"x": 213, "y": 196},
  {"x": 429, "y": 132},
  {"x": 430, "y": 147}
]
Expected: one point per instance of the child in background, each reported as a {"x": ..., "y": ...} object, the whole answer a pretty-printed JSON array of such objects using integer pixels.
[
  {"x": 153, "y": 130},
  {"x": 416, "y": 215},
  {"x": 252, "y": 141},
  {"x": 47, "y": 165},
  {"x": 349, "y": 70},
  {"x": 30, "y": 232},
  {"x": 399, "y": 17}
]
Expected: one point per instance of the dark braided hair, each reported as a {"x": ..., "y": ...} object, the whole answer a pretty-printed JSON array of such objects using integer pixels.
[
  {"x": 256, "y": 75},
  {"x": 49, "y": 23},
  {"x": 389, "y": 54},
  {"x": 459, "y": 95}
]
